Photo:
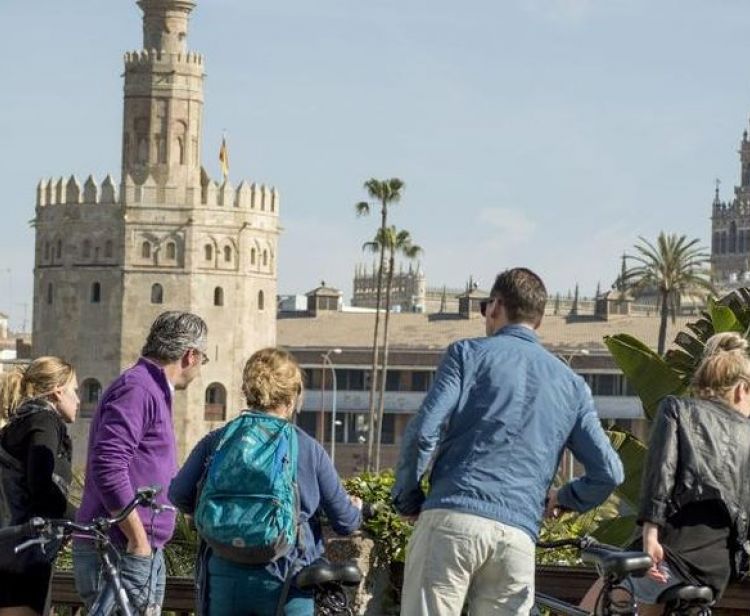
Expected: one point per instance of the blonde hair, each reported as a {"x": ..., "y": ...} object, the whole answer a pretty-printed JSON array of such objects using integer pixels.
[
  {"x": 37, "y": 380},
  {"x": 271, "y": 379},
  {"x": 725, "y": 363}
]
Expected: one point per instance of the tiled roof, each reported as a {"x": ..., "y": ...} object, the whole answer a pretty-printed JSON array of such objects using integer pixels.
[{"x": 408, "y": 330}]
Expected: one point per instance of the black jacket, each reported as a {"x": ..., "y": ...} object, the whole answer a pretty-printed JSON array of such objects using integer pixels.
[
  {"x": 37, "y": 439},
  {"x": 699, "y": 450}
]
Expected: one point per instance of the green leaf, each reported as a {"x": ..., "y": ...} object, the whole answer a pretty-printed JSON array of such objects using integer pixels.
[
  {"x": 616, "y": 531},
  {"x": 651, "y": 377},
  {"x": 633, "y": 455},
  {"x": 724, "y": 318}
]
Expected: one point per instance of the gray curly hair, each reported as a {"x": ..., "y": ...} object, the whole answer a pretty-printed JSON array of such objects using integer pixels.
[{"x": 173, "y": 333}]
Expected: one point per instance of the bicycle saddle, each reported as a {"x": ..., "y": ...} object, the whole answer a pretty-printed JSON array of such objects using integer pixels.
[
  {"x": 700, "y": 594},
  {"x": 320, "y": 572},
  {"x": 615, "y": 562}
]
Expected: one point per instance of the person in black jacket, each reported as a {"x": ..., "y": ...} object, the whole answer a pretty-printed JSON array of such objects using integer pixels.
[
  {"x": 695, "y": 498},
  {"x": 35, "y": 466}
]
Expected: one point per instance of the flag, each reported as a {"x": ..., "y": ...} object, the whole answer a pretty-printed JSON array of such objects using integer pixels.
[{"x": 224, "y": 158}]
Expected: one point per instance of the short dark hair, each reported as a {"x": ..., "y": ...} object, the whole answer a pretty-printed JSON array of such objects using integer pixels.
[
  {"x": 523, "y": 294},
  {"x": 173, "y": 333}
]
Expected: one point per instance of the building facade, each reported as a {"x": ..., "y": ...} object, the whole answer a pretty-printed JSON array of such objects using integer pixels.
[{"x": 111, "y": 257}]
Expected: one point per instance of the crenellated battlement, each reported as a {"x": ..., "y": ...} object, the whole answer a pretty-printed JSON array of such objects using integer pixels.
[
  {"x": 151, "y": 58},
  {"x": 50, "y": 192},
  {"x": 247, "y": 196}
]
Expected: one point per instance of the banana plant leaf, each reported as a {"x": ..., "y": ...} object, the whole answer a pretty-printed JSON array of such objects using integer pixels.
[
  {"x": 650, "y": 376},
  {"x": 616, "y": 531},
  {"x": 632, "y": 452},
  {"x": 724, "y": 318}
]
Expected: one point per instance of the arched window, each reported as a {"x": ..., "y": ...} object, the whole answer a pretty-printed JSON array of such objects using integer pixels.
[
  {"x": 58, "y": 251},
  {"x": 733, "y": 237},
  {"x": 265, "y": 258},
  {"x": 146, "y": 250},
  {"x": 96, "y": 293},
  {"x": 261, "y": 300},
  {"x": 227, "y": 253},
  {"x": 218, "y": 296},
  {"x": 86, "y": 249},
  {"x": 208, "y": 251},
  {"x": 216, "y": 403},
  {"x": 723, "y": 246},
  {"x": 47, "y": 251},
  {"x": 91, "y": 393},
  {"x": 741, "y": 241},
  {"x": 252, "y": 256},
  {"x": 715, "y": 242},
  {"x": 171, "y": 251},
  {"x": 157, "y": 294},
  {"x": 108, "y": 248},
  {"x": 50, "y": 293}
]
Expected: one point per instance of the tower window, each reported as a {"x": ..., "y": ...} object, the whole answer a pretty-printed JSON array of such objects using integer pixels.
[
  {"x": 47, "y": 251},
  {"x": 218, "y": 296},
  {"x": 58, "y": 251},
  {"x": 227, "y": 253},
  {"x": 86, "y": 249},
  {"x": 171, "y": 251},
  {"x": 252, "y": 256},
  {"x": 50, "y": 293},
  {"x": 157, "y": 294},
  {"x": 108, "y": 248},
  {"x": 265, "y": 258},
  {"x": 215, "y": 408},
  {"x": 91, "y": 393},
  {"x": 208, "y": 252},
  {"x": 146, "y": 250},
  {"x": 96, "y": 293},
  {"x": 261, "y": 300}
]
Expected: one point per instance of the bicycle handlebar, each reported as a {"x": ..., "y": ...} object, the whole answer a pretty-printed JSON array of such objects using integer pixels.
[{"x": 49, "y": 529}]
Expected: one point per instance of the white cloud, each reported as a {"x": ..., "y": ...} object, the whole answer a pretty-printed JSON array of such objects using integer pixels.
[{"x": 514, "y": 225}]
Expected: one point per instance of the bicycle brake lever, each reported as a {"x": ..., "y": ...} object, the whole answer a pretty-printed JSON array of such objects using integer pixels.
[{"x": 29, "y": 543}]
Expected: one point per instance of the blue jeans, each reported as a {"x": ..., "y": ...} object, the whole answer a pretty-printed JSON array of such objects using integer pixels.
[
  {"x": 143, "y": 577},
  {"x": 242, "y": 590}
]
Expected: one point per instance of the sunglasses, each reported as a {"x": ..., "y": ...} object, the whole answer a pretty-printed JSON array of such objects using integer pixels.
[
  {"x": 204, "y": 357},
  {"x": 485, "y": 303}
]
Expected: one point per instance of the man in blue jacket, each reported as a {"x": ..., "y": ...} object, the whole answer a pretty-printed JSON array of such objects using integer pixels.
[{"x": 493, "y": 428}]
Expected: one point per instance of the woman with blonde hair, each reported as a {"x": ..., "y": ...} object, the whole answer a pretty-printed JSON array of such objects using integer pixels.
[
  {"x": 694, "y": 497},
  {"x": 272, "y": 385},
  {"x": 35, "y": 466}
]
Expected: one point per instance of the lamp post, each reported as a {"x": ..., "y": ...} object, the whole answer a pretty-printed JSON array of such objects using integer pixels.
[
  {"x": 327, "y": 362},
  {"x": 567, "y": 358}
]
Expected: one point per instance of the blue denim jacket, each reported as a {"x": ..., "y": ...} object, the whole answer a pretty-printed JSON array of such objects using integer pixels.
[{"x": 494, "y": 426}]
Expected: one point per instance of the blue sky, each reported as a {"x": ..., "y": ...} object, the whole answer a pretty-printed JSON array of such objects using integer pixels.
[{"x": 546, "y": 133}]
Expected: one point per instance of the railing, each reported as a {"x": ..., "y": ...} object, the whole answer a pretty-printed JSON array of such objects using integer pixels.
[{"x": 566, "y": 583}]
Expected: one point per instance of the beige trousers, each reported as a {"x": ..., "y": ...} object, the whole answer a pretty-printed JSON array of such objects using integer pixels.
[{"x": 455, "y": 558}]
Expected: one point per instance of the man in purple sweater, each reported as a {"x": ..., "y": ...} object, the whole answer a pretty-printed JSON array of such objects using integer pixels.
[{"x": 131, "y": 445}]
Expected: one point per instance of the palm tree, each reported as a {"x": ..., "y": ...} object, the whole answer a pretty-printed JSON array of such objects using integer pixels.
[
  {"x": 386, "y": 192},
  {"x": 672, "y": 267},
  {"x": 394, "y": 242}
]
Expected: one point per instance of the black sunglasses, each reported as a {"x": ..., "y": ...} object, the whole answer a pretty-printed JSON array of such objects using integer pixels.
[{"x": 486, "y": 302}]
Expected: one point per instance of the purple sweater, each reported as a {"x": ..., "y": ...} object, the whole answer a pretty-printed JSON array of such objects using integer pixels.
[{"x": 131, "y": 445}]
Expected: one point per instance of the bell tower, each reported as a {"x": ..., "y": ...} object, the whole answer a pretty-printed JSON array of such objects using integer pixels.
[{"x": 163, "y": 107}]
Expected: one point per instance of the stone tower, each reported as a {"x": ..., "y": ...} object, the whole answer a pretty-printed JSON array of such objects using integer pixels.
[
  {"x": 730, "y": 228},
  {"x": 408, "y": 294},
  {"x": 108, "y": 262}
]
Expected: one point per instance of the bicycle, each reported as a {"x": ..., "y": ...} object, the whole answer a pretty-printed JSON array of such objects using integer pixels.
[
  {"x": 112, "y": 596},
  {"x": 614, "y": 565}
]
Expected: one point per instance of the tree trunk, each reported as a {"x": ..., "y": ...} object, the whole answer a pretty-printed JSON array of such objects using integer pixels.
[
  {"x": 664, "y": 313},
  {"x": 374, "y": 374},
  {"x": 384, "y": 365}
]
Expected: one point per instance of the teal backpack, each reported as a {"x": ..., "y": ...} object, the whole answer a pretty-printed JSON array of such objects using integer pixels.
[{"x": 248, "y": 507}]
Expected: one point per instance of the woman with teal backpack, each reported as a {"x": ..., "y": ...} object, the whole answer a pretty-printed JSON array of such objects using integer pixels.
[{"x": 254, "y": 488}]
